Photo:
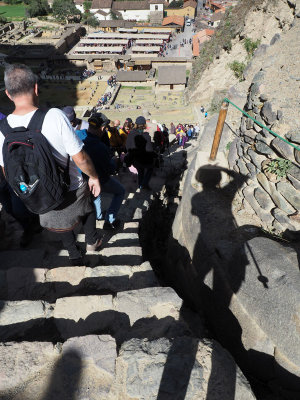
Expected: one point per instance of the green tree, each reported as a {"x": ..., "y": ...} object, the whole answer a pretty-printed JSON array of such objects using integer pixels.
[
  {"x": 176, "y": 4},
  {"x": 3, "y": 20},
  {"x": 113, "y": 15},
  {"x": 12, "y": 1},
  {"x": 37, "y": 7},
  {"x": 91, "y": 20},
  {"x": 62, "y": 9},
  {"x": 87, "y": 6}
]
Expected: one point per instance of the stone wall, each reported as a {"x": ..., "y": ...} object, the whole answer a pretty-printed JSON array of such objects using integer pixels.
[{"x": 273, "y": 198}]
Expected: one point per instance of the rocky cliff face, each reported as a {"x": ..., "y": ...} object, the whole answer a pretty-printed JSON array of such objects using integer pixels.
[
  {"x": 262, "y": 21},
  {"x": 268, "y": 93}
]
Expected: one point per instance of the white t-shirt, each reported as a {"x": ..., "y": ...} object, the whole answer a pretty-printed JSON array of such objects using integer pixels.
[{"x": 60, "y": 135}]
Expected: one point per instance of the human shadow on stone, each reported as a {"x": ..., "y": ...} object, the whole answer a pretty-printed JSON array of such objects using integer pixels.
[
  {"x": 65, "y": 379},
  {"x": 213, "y": 207},
  {"x": 178, "y": 368},
  {"x": 20, "y": 287}
]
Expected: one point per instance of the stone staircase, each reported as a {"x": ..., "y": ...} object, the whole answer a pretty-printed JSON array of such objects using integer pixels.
[{"x": 107, "y": 330}]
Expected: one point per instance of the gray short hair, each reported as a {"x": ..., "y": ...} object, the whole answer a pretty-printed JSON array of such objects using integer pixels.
[{"x": 19, "y": 79}]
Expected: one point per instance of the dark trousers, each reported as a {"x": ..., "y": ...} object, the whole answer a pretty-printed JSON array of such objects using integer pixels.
[
  {"x": 15, "y": 207},
  {"x": 144, "y": 174},
  {"x": 69, "y": 240}
]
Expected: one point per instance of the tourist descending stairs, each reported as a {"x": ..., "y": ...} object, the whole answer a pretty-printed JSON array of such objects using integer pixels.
[{"x": 107, "y": 330}]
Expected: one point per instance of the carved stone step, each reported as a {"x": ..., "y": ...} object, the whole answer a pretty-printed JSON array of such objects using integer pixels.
[
  {"x": 49, "y": 285},
  {"x": 150, "y": 312}
]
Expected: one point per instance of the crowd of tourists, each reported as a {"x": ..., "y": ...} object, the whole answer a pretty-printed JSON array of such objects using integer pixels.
[
  {"x": 60, "y": 174},
  {"x": 87, "y": 73},
  {"x": 103, "y": 100},
  {"x": 112, "y": 81}
]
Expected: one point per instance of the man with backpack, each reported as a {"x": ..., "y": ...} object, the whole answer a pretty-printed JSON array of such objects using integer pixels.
[{"x": 37, "y": 149}]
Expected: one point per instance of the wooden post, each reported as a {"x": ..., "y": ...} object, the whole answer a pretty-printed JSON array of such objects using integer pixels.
[{"x": 219, "y": 129}]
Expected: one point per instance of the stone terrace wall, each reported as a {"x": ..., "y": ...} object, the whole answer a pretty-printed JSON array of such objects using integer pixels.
[{"x": 274, "y": 199}]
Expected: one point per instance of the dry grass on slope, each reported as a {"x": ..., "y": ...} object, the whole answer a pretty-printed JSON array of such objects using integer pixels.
[{"x": 231, "y": 26}]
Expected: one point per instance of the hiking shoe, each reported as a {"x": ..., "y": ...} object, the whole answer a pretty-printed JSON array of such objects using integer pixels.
[
  {"x": 95, "y": 246},
  {"x": 111, "y": 225}
]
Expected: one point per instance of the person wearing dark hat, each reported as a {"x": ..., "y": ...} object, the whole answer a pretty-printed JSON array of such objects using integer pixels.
[
  {"x": 100, "y": 155},
  {"x": 140, "y": 152},
  {"x": 100, "y": 122}
]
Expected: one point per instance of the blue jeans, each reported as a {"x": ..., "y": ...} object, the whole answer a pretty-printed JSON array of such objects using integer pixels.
[{"x": 114, "y": 187}]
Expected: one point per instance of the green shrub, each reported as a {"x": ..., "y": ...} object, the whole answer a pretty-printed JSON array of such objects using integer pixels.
[
  {"x": 228, "y": 146},
  {"x": 251, "y": 46},
  {"x": 238, "y": 69},
  {"x": 279, "y": 167},
  {"x": 231, "y": 26},
  {"x": 217, "y": 101}
]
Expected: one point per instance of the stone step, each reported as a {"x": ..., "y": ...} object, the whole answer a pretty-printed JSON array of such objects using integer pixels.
[
  {"x": 149, "y": 312},
  {"x": 40, "y": 370},
  {"x": 49, "y": 285},
  {"x": 124, "y": 239},
  {"x": 120, "y": 255},
  {"x": 21, "y": 258},
  {"x": 181, "y": 367}
]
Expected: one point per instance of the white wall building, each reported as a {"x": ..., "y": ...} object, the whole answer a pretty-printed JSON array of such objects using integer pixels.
[{"x": 133, "y": 10}]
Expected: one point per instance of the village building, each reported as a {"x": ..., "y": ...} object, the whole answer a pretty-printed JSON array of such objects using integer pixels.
[
  {"x": 219, "y": 6},
  {"x": 174, "y": 21},
  {"x": 188, "y": 9},
  {"x": 133, "y": 10},
  {"x": 215, "y": 19},
  {"x": 199, "y": 39},
  {"x": 135, "y": 78},
  {"x": 156, "y": 11},
  {"x": 171, "y": 78}
]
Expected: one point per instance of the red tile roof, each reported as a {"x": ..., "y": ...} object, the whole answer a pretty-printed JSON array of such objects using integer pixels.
[
  {"x": 190, "y": 3},
  {"x": 173, "y": 19},
  {"x": 200, "y": 38}
]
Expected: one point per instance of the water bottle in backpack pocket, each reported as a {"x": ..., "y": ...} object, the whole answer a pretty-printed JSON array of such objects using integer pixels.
[{"x": 30, "y": 167}]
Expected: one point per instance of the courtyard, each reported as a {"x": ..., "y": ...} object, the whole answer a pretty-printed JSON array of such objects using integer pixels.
[{"x": 164, "y": 107}]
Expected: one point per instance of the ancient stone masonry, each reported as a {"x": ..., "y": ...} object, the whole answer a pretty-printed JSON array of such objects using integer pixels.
[
  {"x": 108, "y": 330},
  {"x": 271, "y": 192}
]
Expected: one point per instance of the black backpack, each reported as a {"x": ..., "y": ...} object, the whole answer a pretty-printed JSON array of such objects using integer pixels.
[{"x": 30, "y": 167}]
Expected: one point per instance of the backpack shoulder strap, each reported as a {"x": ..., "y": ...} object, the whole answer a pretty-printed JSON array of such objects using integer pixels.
[
  {"x": 37, "y": 120},
  {"x": 5, "y": 128}
]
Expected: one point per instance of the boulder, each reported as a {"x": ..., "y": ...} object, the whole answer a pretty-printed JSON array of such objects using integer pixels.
[
  {"x": 184, "y": 367},
  {"x": 263, "y": 199},
  {"x": 277, "y": 198},
  {"x": 233, "y": 155},
  {"x": 256, "y": 158},
  {"x": 267, "y": 113},
  {"x": 269, "y": 293},
  {"x": 284, "y": 149},
  {"x": 83, "y": 367},
  {"x": 290, "y": 193}
]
